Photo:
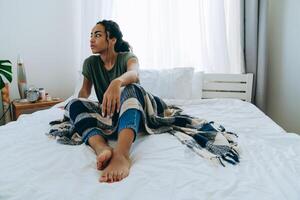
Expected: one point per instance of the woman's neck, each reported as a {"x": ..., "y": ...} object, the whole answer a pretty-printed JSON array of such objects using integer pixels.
[{"x": 109, "y": 59}]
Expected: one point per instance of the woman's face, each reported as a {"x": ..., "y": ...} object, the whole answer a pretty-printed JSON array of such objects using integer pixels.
[{"x": 98, "y": 42}]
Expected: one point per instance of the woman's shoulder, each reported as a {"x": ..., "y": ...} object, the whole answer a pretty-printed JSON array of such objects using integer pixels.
[
  {"x": 126, "y": 55},
  {"x": 92, "y": 58},
  {"x": 90, "y": 62}
]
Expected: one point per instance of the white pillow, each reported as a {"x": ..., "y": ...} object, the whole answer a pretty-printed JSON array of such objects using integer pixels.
[
  {"x": 197, "y": 85},
  {"x": 149, "y": 80},
  {"x": 175, "y": 83}
]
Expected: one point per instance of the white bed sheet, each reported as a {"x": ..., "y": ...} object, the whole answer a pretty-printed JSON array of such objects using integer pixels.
[{"x": 33, "y": 166}]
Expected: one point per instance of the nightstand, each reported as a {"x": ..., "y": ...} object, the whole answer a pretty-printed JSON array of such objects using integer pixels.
[{"x": 19, "y": 108}]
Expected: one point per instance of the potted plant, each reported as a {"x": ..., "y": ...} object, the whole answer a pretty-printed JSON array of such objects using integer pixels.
[
  {"x": 5, "y": 74},
  {"x": 5, "y": 71}
]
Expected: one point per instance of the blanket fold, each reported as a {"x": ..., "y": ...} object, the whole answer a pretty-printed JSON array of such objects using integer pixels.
[{"x": 207, "y": 139}]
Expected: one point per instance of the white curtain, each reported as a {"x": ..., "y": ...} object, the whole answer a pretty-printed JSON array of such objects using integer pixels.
[
  {"x": 204, "y": 34},
  {"x": 92, "y": 11}
]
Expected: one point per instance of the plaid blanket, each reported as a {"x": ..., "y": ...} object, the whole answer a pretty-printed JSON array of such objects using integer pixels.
[{"x": 207, "y": 139}]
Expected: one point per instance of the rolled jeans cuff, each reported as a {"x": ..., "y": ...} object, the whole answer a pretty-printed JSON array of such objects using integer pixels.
[{"x": 90, "y": 133}]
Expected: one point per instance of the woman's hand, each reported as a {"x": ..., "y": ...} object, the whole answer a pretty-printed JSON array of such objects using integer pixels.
[{"x": 111, "y": 98}]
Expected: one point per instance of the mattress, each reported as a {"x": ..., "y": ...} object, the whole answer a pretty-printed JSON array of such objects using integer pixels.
[{"x": 33, "y": 166}]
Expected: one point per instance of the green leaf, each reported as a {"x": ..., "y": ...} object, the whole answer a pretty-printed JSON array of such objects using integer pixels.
[
  {"x": 6, "y": 68},
  {"x": 4, "y": 61},
  {"x": 2, "y": 84},
  {"x": 6, "y": 71},
  {"x": 6, "y": 74}
]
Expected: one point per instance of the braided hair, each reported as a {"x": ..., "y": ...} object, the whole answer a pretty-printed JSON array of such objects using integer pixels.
[{"x": 114, "y": 31}]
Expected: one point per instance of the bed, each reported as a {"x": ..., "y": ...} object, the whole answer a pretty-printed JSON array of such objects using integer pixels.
[{"x": 34, "y": 166}]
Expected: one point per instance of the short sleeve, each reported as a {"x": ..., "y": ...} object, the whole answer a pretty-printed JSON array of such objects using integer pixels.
[
  {"x": 86, "y": 70},
  {"x": 129, "y": 55}
]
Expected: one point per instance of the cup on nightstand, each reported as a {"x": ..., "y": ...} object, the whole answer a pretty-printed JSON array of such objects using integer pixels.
[{"x": 42, "y": 92}]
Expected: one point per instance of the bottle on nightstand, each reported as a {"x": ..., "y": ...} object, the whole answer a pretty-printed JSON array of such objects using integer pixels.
[{"x": 22, "y": 82}]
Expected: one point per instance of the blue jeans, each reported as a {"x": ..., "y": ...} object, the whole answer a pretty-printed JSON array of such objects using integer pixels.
[{"x": 131, "y": 118}]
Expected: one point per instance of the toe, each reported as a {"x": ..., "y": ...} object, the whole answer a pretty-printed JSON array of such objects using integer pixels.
[
  {"x": 103, "y": 165},
  {"x": 120, "y": 176},
  {"x": 110, "y": 177},
  {"x": 103, "y": 177},
  {"x": 116, "y": 176},
  {"x": 99, "y": 165},
  {"x": 102, "y": 160}
]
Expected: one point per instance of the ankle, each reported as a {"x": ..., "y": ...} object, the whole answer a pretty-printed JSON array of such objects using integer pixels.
[{"x": 120, "y": 152}]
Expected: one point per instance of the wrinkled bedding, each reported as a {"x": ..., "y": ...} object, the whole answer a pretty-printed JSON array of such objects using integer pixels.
[{"x": 33, "y": 166}]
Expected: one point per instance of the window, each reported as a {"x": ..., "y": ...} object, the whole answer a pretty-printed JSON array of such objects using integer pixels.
[{"x": 203, "y": 34}]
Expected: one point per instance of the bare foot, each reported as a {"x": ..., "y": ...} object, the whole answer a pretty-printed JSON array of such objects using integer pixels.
[
  {"x": 103, "y": 157},
  {"x": 117, "y": 169}
]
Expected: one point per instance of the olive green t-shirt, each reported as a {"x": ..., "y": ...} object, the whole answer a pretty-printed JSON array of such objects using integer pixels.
[{"x": 94, "y": 71}]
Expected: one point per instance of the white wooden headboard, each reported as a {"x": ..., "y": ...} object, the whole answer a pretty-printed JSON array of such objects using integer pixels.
[{"x": 238, "y": 86}]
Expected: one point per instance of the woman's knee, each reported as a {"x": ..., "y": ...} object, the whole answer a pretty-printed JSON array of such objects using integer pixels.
[
  {"x": 132, "y": 91},
  {"x": 78, "y": 106}
]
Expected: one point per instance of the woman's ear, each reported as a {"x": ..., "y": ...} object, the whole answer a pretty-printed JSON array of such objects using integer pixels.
[{"x": 113, "y": 40}]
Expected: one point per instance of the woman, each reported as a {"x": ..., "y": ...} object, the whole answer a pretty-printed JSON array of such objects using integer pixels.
[{"x": 114, "y": 67}]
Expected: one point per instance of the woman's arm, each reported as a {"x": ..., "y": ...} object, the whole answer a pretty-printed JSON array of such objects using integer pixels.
[
  {"x": 131, "y": 75},
  {"x": 111, "y": 97},
  {"x": 86, "y": 88}
]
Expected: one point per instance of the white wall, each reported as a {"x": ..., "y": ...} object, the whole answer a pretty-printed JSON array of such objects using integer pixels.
[
  {"x": 45, "y": 33},
  {"x": 283, "y": 103}
]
